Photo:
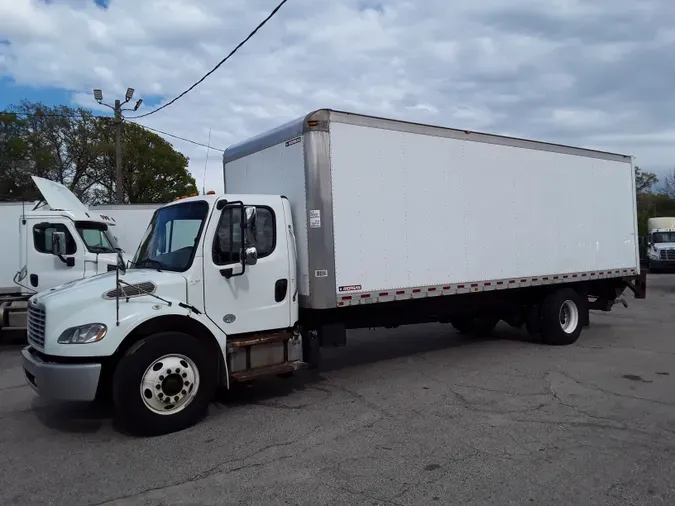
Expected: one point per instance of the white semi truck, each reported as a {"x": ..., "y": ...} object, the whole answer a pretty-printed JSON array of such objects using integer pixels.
[
  {"x": 661, "y": 243},
  {"x": 93, "y": 237},
  {"x": 338, "y": 221}
]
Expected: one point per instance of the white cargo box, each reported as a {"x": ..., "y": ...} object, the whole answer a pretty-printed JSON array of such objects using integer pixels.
[
  {"x": 387, "y": 210},
  {"x": 11, "y": 243}
]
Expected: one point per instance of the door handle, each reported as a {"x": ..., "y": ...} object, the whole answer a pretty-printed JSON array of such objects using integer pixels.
[{"x": 280, "y": 289}]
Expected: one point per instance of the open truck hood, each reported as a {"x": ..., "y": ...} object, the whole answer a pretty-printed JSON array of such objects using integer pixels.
[{"x": 58, "y": 197}]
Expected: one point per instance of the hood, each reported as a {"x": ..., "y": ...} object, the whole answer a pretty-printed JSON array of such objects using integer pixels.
[
  {"x": 83, "y": 291},
  {"x": 58, "y": 197},
  {"x": 92, "y": 300}
]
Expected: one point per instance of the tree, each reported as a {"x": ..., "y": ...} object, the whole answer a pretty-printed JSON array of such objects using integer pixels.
[
  {"x": 14, "y": 165},
  {"x": 75, "y": 148},
  {"x": 153, "y": 171},
  {"x": 644, "y": 181},
  {"x": 61, "y": 145},
  {"x": 669, "y": 185}
]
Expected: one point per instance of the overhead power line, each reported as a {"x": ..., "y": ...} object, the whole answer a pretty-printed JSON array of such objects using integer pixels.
[
  {"x": 178, "y": 137},
  {"x": 264, "y": 21},
  {"x": 162, "y": 132}
]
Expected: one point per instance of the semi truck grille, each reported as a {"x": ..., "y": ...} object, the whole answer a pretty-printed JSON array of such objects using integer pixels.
[
  {"x": 36, "y": 325},
  {"x": 667, "y": 255}
]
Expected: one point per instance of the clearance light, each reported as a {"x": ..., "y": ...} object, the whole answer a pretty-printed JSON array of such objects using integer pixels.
[
  {"x": 313, "y": 123},
  {"x": 210, "y": 192}
]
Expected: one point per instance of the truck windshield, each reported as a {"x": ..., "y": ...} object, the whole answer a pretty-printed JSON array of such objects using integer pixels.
[
  {"x": 96, "y": 237},
  {"x": 171, "y": 238},
  {"x": 659, "y": 237}
]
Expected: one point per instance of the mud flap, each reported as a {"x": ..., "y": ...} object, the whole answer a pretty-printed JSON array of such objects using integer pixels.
[{"x": 638, "y": 285}]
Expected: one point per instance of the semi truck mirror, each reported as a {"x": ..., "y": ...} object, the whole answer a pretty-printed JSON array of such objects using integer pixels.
[
  {"x": 251, "y": 255},
  {"x": 250, "y": 215},
  {"x": 250, "y": 224},
  {"x": 249, "y": 246},
  {"x": 58, "y": 244}
]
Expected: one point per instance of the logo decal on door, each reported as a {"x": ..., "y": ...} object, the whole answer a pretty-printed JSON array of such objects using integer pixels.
[{"x": 229, "y": 318}]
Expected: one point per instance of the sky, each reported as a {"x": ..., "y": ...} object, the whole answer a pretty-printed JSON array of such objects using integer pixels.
[{"x": 589, "y": 73}]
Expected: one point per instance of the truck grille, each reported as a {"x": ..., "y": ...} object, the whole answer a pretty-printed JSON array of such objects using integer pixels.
[
  {"x": 667, "y": 255},
  {"x": 36, "y": 325}
]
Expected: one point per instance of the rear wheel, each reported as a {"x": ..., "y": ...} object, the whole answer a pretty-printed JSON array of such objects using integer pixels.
[
  {"x": 164, "y": 383},
  {"x": 561, "y": 317}
]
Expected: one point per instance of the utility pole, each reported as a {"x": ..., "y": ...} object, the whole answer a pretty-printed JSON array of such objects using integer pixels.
[
  {"x": 119, "y": 119},
  {"x": 118, "y": 152}
]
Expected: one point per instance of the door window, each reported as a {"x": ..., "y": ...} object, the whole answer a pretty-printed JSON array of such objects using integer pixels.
[
  {"x": 227, "y": 243},
  {"x": 42, "y": 237}
]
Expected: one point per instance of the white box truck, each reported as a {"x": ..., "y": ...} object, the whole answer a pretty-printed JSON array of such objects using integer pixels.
[
  {"x": 27, "y": 262},
  {"x": 661, "y": 243},
  {"x": 338, "y": 221}
]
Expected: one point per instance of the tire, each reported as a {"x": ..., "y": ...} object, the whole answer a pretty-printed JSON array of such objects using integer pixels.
[
  {"x": 166, "y": 350},
  {"x": 475, "y": 325},
  {"x": 561, "y": 317}
]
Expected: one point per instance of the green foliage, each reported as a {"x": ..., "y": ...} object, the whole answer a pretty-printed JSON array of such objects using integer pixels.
[
  {"x": 71, "y": 146},
  {"x": 14, "y": 156},
  {"x": 644, "y": 181},
  {"x": 669, "y": 185}
]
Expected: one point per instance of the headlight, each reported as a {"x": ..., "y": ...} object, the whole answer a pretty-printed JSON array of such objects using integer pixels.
[{"x": 90, "y": 333}]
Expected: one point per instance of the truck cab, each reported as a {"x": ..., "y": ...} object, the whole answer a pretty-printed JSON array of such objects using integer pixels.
[
  {"x": 661, "y": 243},
  {"x": 60, "y": 240},
  {"x": 209, "y": 298}
]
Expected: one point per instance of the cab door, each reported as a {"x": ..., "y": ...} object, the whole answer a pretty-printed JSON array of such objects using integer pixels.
[
  {"x": 260, "y": 298},
  {"x": 43, "y": 268}
]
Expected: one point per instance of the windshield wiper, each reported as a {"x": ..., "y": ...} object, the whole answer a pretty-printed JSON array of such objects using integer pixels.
[{"x": 147, "y": 262}]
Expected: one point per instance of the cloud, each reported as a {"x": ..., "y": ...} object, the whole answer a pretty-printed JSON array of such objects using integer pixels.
[{"x": 590, "y": 73}]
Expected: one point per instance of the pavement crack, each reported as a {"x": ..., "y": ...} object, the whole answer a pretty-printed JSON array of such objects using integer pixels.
[
  {"x": 218, "y": 468},
  {"x": 610, "y": 392}
]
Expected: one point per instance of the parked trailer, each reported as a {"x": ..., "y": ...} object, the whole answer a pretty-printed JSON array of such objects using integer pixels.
[{"x": 338, "y": 221}]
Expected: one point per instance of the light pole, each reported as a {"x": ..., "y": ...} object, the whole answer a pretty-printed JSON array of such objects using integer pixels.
[{"x": 117, "y": 108}]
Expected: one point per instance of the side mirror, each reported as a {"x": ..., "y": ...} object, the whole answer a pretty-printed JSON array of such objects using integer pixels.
[
  {"x": 250, "y": 250},
  {"x": 251, "y": 255},
  {"x": 58, "y": 244},
  {"x": 249, "y": 224}
]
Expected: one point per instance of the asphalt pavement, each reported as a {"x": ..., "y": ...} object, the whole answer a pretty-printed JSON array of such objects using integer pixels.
[{"x": 411, "y": 416}]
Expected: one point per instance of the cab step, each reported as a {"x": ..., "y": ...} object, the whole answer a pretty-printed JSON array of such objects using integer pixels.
[
  {"x": 270, "y": 370},
  {"x": 258, "y": 338}
]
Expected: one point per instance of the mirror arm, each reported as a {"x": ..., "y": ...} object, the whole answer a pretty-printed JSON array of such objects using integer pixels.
[{"x": 69, "y": 261}]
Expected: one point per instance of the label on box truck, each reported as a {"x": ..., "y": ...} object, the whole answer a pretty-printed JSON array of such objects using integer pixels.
[
  {"x": 314, "y": 218},
  {"x": 350, "y": 288}
]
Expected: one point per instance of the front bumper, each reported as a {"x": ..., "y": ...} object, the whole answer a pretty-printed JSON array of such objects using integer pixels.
[{"x": 63, "y": 382}]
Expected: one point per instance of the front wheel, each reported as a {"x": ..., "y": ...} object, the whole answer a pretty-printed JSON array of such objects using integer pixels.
[
  {"x": 164, "y": 383},
  {"x": 561, "y": 320}
]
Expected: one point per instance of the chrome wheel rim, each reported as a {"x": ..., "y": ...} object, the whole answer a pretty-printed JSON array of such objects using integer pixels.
[
  {"x": 169, "y": 384},
  {"x": 569, "y": 316}
]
